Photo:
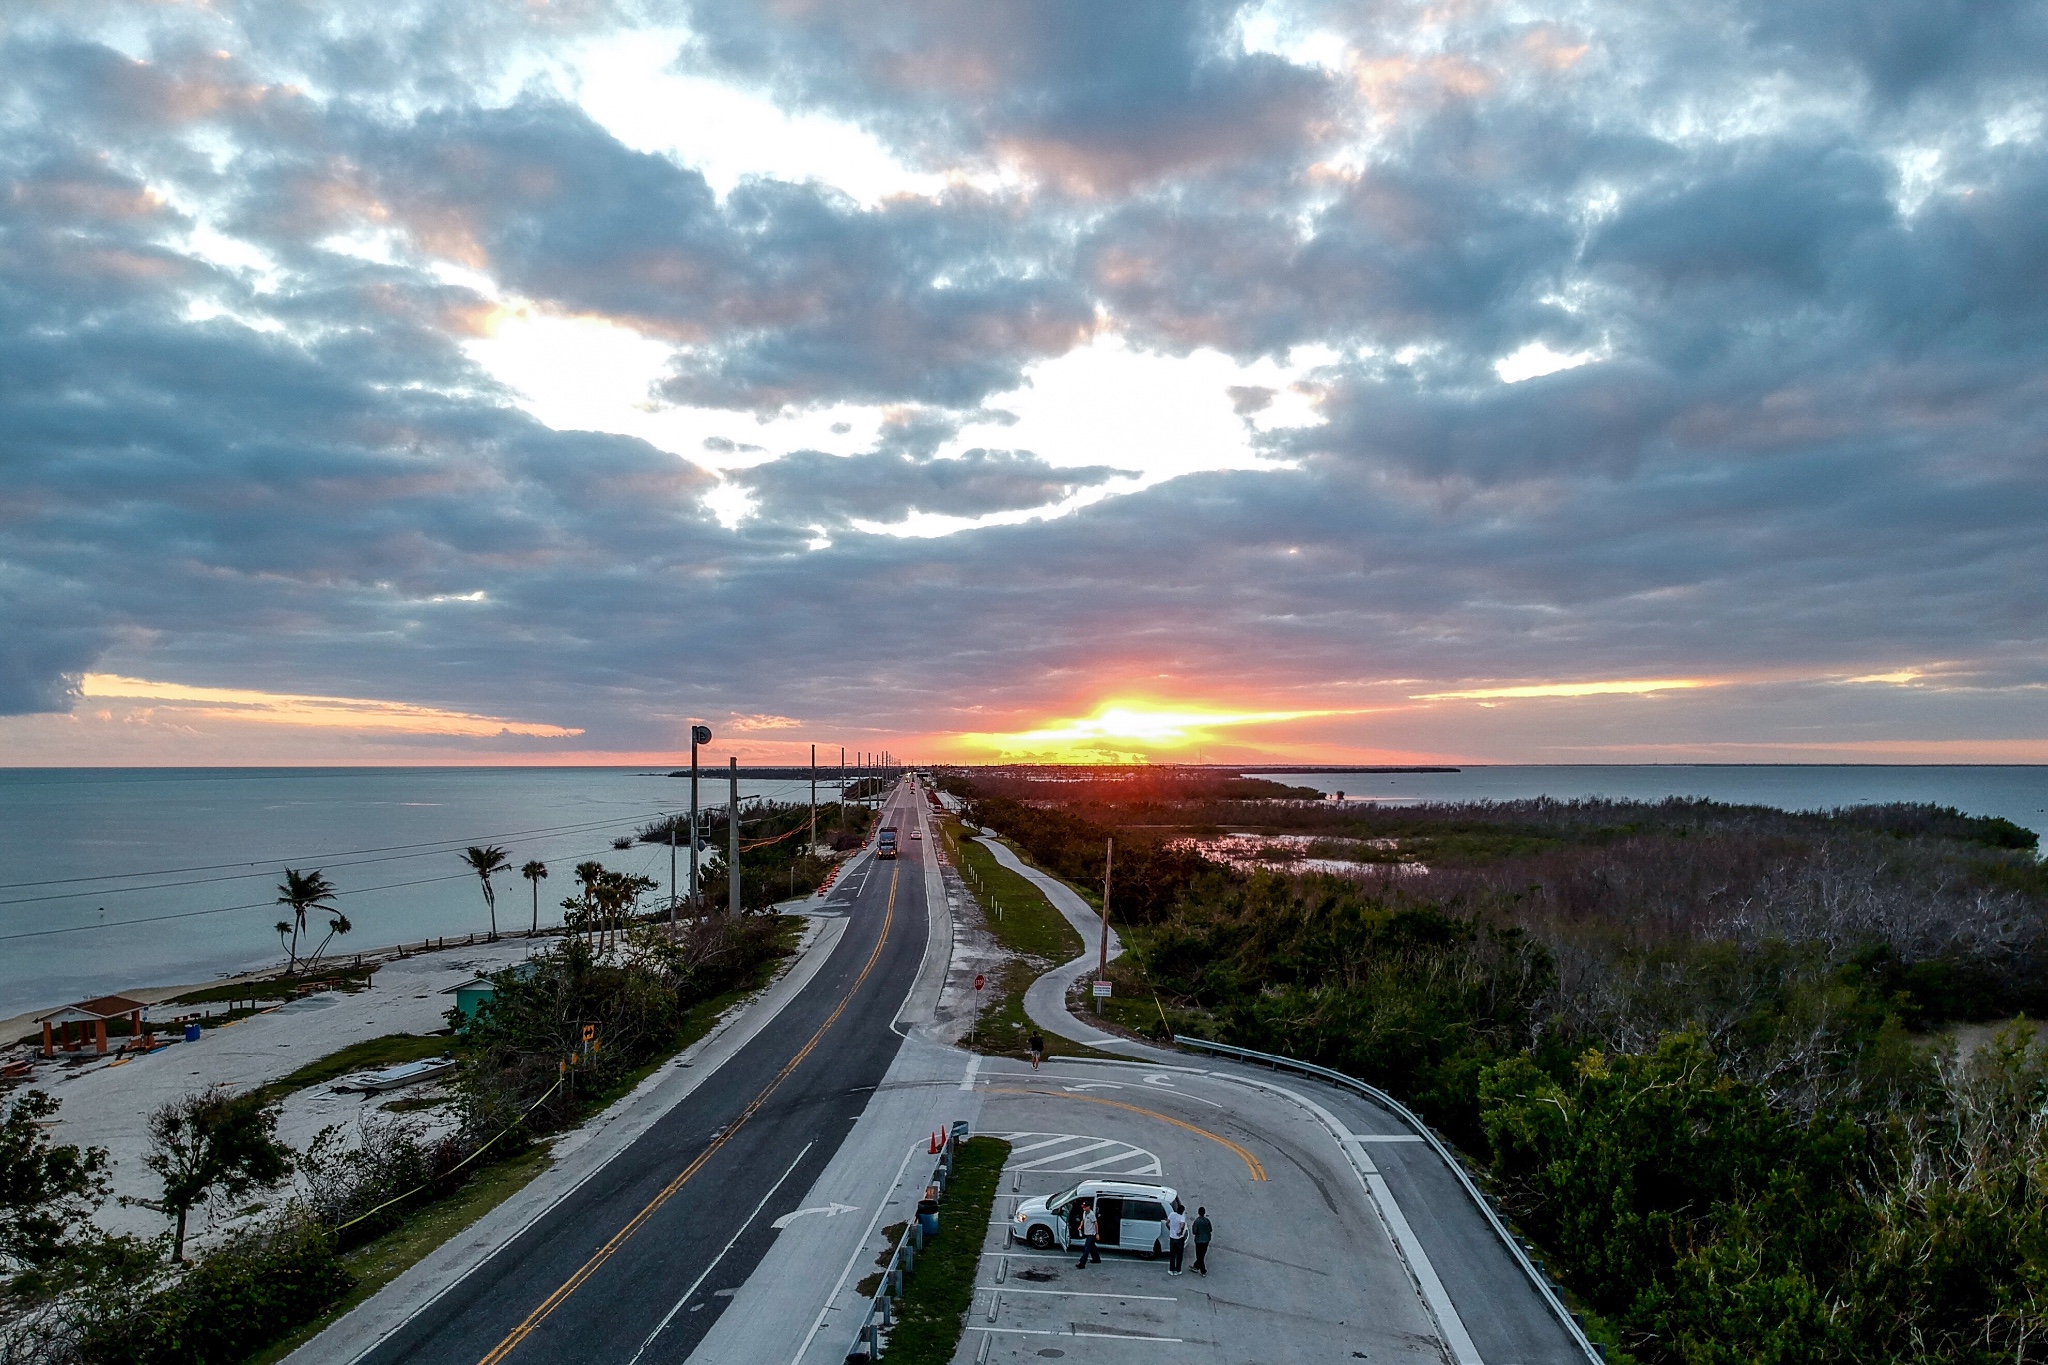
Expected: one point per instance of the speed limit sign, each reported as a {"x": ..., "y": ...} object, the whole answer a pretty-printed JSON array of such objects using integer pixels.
[{"x": 979, "y": 980}]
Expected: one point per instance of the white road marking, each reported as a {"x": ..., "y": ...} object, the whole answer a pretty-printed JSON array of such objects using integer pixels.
[
  {"x": 973, "y": 1065},
  {"x": 858, "y": 1251},
  {"x": 1064, "y": 1156},
  {"x": 699, "y": 1281},
  {"x": 1082, "y": 1293},
  {"x": 832, "y": 1210},
  {"x": 1131, "y": 1155}
]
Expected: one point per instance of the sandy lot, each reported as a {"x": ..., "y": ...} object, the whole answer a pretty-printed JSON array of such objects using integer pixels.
[{"x": 105, "y": 1104}]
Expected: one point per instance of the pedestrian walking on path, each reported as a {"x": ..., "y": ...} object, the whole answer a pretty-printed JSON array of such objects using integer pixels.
[
  {"x": 1204, "y": 1230},
  {"x": 1176, "y": 1236},
  {"x": 1089, "y": 1230},
  {"x": 1037, "y": 1046}
]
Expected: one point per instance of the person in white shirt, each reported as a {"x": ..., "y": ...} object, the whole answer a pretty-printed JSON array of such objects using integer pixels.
[
  {"x": 1176, "y": 1235},
  {"x": 1089, "y": 1230}
]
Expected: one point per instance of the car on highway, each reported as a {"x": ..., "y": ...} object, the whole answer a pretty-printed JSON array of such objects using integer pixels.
[
  {"x": 917, "y": 834},
  {"x": 1129, "y": 1216}
]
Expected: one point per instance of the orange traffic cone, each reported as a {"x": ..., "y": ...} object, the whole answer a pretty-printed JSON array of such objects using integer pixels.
[{"x": 933, "y": 1151}]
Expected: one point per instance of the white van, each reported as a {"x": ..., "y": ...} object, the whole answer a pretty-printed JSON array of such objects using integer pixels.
[{"x": 1128, "y": 1217}]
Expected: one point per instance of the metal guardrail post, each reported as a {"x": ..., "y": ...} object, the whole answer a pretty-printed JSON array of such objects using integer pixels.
[{"x": 1541, "y": 1282}]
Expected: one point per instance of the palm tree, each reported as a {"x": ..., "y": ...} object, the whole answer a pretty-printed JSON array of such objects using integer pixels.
[
  {"x": 536, "y": 872},
  {"x": 336, "y": 924},
  {"x": 302, "y": 891},
  {"x": 484, "y": 861}
]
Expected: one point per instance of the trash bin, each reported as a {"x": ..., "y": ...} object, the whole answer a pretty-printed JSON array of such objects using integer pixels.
[
  {"x": 191, "y": 1033},
  {"x": 928, "y": 1212}
]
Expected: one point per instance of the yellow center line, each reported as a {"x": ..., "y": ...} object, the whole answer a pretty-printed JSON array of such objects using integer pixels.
[
  {"x": 605, "y": 1252},
  {"x": 1251, "y": 1162}
]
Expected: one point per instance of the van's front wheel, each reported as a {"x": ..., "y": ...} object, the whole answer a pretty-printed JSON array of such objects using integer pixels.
[{"x": 1040, "y": 1238}]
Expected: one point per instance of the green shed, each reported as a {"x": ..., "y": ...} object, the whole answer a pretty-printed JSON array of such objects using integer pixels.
[{"x": 471, "y": 993}]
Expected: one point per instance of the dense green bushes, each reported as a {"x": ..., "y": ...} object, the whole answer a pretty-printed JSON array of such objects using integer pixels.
[{"x": 1690, "y": 1043}]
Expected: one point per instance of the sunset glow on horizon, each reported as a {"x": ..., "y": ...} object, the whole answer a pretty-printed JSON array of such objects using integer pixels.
[{"x": 1126, "y": 731}]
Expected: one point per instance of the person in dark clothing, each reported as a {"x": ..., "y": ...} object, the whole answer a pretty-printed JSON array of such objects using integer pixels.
[
  {"x": 1036, "y": 1045},
  {"x": 1090, "y": 1229},
  {"x": 1204, "y": 1230}
]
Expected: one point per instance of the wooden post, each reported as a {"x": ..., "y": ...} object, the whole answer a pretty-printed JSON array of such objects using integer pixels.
[
  {"x": 49, "y": 1047},
  {"x": 100, "y": 1036}
]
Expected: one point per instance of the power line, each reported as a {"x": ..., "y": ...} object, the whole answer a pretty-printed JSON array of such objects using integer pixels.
[{"x": 307, "y": 858}]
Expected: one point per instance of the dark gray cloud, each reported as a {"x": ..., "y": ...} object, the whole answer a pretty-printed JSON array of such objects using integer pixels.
[
  {"x": 811, "y": 488},
  {"x": 1806, "y": 251}
]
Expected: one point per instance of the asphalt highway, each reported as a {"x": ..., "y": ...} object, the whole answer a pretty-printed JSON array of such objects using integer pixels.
[{"x": 630, "y": 1266}]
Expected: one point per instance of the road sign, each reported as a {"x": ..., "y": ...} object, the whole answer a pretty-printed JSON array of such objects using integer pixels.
[
  {"x": 1101, "y": 990},
  {"x": 589, "y": 1032},
  {"x": 979, "y": 981}
]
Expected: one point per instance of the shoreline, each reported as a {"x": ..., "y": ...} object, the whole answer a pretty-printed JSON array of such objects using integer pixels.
[{"x": 19, "y": 1026}]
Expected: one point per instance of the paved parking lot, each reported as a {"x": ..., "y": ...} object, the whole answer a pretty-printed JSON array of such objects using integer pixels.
[{"x": 1302, "y": 1269}]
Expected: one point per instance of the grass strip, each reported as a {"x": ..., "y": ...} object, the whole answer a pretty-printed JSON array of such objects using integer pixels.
[{"x": 940, "y": 1288}]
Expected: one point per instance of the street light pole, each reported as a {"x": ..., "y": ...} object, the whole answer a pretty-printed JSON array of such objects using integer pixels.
[
  {"x": 732, "y": 858},
  {"x": 699, "y": 734},
  {"x": 1102, "y": 963}
]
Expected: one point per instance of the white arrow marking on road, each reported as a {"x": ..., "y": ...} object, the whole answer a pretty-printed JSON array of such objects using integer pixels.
[
  {"x": 829, "y": 1210},
  {"x": 1086, "y": 1085}
]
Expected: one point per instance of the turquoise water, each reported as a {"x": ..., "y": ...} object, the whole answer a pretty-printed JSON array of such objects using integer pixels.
[
  {"x": 2020, "y": 794},
  {"x": 112, "y": 879}
]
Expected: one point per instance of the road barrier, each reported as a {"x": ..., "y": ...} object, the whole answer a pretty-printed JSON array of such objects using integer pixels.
[
  {"x": 870, "y": 1338},
  {"x": 1537, "y": 1277}
]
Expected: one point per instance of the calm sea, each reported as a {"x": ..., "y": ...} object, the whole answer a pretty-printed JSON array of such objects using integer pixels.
[
  {"x": 2020, "y": 794},
  {"x": 112, "y": 879}
]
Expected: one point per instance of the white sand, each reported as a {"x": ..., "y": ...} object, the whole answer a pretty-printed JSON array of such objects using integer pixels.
[{"x": 106, "y": 1104}]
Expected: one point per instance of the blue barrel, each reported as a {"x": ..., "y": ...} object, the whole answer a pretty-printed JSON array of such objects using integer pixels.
[{"x": 191, "y": 1033}]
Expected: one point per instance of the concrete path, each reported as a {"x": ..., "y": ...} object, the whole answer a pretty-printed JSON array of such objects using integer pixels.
[{"x": 1045, "y": 1000}]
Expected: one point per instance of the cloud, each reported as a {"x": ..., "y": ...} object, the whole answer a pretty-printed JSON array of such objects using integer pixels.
[
  {"x": 1149, "y": 347},
  {"x": 336, "y": 713}
]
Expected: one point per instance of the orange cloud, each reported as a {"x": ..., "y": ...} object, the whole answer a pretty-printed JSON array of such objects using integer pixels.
[
  {"x": 1125, "y": 731},
  {"x": 285, "y": 708}
]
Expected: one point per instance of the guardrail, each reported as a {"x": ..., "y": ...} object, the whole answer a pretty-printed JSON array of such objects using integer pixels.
[
  {"x": 868, "y": 1340},
  {"x": 1408, "y": 1116}
]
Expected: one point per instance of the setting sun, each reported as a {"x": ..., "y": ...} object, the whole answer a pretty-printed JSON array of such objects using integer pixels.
[{"x": 1125, "y": 731}]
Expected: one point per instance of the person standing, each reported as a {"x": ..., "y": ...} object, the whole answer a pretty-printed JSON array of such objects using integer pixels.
[
  {"x": 1176, "y": 1236},
  {"x": 1036, "y": 1044},
  {"x": 1089, "y": 1230},
  {"x": 1204, "y": 1230}
]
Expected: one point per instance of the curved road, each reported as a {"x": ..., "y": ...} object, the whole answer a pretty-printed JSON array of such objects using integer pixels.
[{"x": 626, "y": 1267}]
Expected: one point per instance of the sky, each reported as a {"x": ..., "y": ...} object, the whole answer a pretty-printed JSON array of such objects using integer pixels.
[{"x": 466, "y": 381}]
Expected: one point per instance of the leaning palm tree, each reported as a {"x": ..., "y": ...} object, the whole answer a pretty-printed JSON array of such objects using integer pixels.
[
  {"x": 337, "y": 923},
  {"x": 536, "y": 872},
  {"x": 302, "y": 891},
  {"x": 484, "y": 861}
]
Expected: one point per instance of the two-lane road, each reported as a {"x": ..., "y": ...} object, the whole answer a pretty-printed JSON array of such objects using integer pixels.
[{"x": 630, "y": 1265}]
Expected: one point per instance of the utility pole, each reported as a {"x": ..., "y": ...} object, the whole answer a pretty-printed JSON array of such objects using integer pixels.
[
  {"x": 671, "y": 872},
  {"x": 1102, "y": 963},
  {"x": 732, "y": 859},
  {"x": 699, "y": 734},
  {"x": 814, "y": 796}
]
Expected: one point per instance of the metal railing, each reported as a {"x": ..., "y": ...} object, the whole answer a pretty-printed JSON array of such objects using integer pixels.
[
  {"x": 1537, "y": 1278},
  {"x": 869, "y": 1341}
]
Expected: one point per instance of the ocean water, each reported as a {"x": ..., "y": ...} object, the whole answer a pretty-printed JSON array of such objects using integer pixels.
[
  {"x": 112, "y": 879},
  {"x": 2018, "y": 793}
]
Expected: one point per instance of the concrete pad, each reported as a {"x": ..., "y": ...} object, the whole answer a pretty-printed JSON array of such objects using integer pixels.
[{"x": 1302, "y": 1268}]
